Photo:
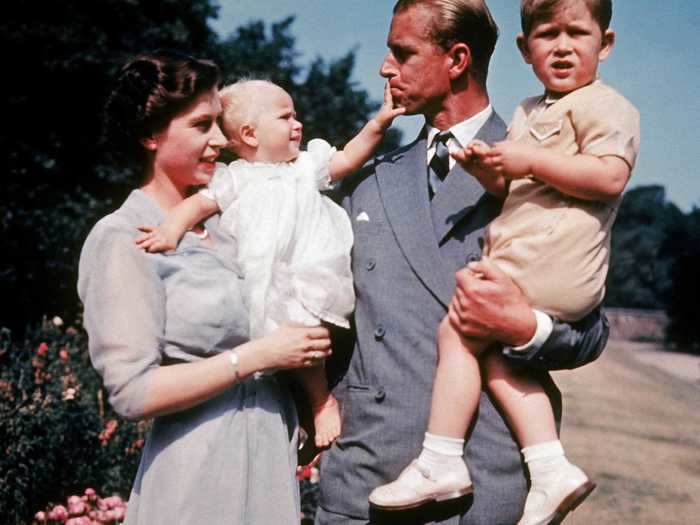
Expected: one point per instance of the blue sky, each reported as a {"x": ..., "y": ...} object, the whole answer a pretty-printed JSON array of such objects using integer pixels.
[{"x": 655, "y": 64}]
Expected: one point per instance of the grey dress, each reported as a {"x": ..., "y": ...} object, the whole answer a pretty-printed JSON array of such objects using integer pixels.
[{"x": 231, "y": 459}]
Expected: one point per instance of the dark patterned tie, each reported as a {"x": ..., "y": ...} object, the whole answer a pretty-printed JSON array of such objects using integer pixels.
[{"x": 440, "y": 163}]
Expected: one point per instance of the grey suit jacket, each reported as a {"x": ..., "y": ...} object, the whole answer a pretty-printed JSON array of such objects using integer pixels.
[{"x": 404, "y": 259}]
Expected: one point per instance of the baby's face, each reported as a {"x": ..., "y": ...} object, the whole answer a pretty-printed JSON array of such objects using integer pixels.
[
  {"x": 277, "y": 129},
  {"x": 564, "y": 51}
]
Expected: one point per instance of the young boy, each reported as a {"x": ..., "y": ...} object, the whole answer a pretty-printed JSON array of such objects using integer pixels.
[{"x": 568, "y": 157}]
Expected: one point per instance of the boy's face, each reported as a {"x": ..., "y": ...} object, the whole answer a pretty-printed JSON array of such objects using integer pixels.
[
  {"x": 277, "y": 130},
  {"x": 564, "y": 51}
]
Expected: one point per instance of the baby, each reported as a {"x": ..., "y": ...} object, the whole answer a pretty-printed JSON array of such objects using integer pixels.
[
  {"x": 293, "y": 243},
  {"x": 568, "y": 157}
]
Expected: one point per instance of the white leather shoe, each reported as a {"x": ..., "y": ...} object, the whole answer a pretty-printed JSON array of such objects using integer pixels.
[
  {"x": 550, "y": 500},
  {"x": 416, "y": 486}
]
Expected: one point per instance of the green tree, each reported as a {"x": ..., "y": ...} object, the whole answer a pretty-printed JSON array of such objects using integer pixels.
[
  {"x": 327, "y": 100},
  {"x": 641, "y": 263},
  {"x": 683, "y": 312},
  {"x": 56, "y": 179},
  {"x": 59, "y": 177}
]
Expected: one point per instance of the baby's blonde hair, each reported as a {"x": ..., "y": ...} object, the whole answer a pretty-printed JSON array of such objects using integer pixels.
[{"x": 239, "y": 106}]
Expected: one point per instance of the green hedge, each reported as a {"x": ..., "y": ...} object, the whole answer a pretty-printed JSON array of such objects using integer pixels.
[{"x": 57, "y": 432}]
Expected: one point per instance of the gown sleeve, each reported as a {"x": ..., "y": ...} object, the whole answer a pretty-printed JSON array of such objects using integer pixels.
[
  {"x": 221, "y": 188},
  {"x": 124, "y": 302},
  {"x": 319, "y": 154}
]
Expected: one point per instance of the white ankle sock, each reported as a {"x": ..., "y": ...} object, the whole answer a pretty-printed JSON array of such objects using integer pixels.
[
  {"x": 441, "y": 453},
  {"x": 544, "y": 458}
]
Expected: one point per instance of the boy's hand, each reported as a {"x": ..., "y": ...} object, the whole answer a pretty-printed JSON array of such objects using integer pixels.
[
  {"x": 513, "y": 160},
  {"x": 387, "y": 112},
  {"x": 474, "y": 160},
  {"x": 155, "y": 240}
]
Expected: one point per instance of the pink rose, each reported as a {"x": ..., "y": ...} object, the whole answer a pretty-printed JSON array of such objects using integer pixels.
[
  {"x": 63, "y": 355},
  {"x": 58, "y": 513},
  {"x": 42, "y": 349},
  {"x": 76, "y": 508},
  {"x": 40, "y": 516},
  {"x": 90, "y": 493}
]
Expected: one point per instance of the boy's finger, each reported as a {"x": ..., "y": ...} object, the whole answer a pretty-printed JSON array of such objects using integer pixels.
[{"x": 146, "y": 229}]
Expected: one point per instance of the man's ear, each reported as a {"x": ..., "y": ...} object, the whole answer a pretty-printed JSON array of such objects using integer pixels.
[
  {"x": 460, "y": 57},
  {"x": 521, "y": 42},
  {"x": 607, "y": 44},
  {"x": 247, "y": 135},
  {"x": 150, "y": 143}
]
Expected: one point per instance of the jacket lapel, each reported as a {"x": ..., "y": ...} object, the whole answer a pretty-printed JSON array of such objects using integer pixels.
[
  {"x": 403, "y": 190},
  {"x": 460, "y": 192}
]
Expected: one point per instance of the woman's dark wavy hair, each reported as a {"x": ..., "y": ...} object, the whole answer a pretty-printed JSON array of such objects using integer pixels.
[{"x": 147, "y": 93}]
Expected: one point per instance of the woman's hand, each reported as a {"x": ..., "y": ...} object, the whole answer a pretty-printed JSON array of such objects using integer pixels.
[{"x": 292, "y": 347}]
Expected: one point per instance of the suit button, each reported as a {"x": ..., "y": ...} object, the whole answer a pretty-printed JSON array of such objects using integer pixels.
[
  {"x": 370, "y": 265},
  {"x": 472, "y": 257},
  {"x": 379, "y": 333},
  {"x": 380, "y": 395}
]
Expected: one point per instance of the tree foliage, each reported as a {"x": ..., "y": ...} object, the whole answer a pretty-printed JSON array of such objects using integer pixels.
[
  {"x": 642, "y": 256},
  {"x": 59, "y": 177},
  {"x": 683, "y": 311}
]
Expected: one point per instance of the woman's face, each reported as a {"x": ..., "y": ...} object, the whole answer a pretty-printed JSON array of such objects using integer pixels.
[{"x": 186, "y": 149}]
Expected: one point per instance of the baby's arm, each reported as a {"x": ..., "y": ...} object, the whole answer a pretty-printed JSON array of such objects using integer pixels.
[
  {"x": 361, "y": 146},
  {"x": 582, "y": 176},
  {"x": 180, "y": 219}
]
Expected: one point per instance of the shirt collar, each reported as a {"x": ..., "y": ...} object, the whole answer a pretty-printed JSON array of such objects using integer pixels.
[{"x": 465, "y": 131}]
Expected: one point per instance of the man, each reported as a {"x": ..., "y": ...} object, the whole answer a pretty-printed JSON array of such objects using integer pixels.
[{"x": 414, "y": 227}]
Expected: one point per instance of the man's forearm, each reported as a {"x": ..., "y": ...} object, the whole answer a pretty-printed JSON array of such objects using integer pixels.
[{"x": 570, "y": 345}]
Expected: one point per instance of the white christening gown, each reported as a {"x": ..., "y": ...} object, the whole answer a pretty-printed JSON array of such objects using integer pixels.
[{"x": 293, "y": 242}]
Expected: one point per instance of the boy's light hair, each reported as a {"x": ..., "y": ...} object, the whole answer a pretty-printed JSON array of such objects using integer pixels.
[
  {"x": 466, "y": 21},
  {"x": 532, "y": 11},
  {"x": 239, "y": 106}
]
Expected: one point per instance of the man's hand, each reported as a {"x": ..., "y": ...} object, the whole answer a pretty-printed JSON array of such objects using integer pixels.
[{"x": 487, "y": 304}]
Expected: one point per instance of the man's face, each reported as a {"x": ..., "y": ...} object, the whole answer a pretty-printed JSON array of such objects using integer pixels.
[{"x": 416, "y": 68}]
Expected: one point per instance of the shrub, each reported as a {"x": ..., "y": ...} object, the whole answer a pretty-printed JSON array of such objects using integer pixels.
[
  {"x": 88, "y": 509},
  {"x": 57, "y": 431}
]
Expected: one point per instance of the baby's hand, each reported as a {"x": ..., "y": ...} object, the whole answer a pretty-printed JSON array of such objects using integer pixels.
[
  {"x": 387, "y": 112},
  {"x": 155, "y": 240}
]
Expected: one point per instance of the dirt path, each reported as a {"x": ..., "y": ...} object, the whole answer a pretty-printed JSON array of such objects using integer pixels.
[{"x": 635, "y": 428}]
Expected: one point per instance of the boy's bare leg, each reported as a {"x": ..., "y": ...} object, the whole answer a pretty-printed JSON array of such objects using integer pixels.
[
  {"x": 556, "y": 486},
  {"x": 457, "y": 386},
  {"x": 523, "y": 400},
  {"x": 324, "y": 406}
]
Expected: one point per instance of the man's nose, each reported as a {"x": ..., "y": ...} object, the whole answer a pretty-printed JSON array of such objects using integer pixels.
[{"x": 388, "y": 67}]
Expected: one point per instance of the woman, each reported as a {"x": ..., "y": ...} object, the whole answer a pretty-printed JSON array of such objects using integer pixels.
[{"x": 168, "y": 332}]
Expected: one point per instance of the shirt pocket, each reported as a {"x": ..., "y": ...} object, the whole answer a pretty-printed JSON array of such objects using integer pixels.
[{"x": 542, "y": 131}]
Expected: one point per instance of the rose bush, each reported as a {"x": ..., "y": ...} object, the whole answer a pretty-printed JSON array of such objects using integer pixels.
[{"x": 58, "y": 434}]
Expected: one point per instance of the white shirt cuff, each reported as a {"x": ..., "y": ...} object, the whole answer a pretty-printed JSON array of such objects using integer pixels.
[{"x": 545, "y": 325}]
